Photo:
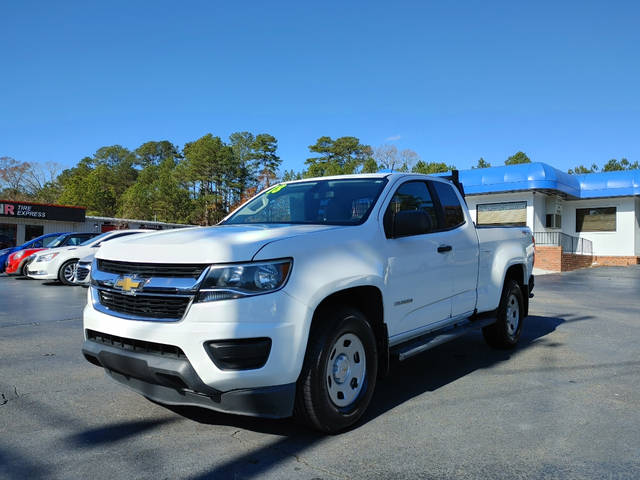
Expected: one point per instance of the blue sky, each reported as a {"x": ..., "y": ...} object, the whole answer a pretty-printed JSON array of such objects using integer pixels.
[{"x": 453, "y": 81}]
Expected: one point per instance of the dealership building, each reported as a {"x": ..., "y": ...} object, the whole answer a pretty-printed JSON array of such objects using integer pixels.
[
  {"x": 22, "y": 221},
  {"x": 577, "y": 220}
]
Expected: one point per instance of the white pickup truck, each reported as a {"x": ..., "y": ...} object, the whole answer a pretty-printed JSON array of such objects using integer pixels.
[{"x": 296, "y": 302}]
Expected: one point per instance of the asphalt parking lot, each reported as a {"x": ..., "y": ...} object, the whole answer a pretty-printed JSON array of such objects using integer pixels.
[{"x": 565, "y": 404}]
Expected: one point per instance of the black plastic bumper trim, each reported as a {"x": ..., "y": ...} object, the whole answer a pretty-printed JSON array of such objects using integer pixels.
[
  {"x": 239, "y": 354},
  {"x": 174, "y": 382}
]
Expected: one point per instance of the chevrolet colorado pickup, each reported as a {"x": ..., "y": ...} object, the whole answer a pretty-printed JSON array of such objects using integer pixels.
[{"x": 296, "y": 302}]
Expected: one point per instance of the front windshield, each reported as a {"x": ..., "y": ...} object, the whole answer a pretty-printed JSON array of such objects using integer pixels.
[
  {"x": 324, "y": 202},
  {"x": 95, "y": 239},
  {"x": 57, "y": 241}
]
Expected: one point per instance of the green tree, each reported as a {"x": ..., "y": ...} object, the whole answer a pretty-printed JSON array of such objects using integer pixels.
[
  {"x": 157, "y": 194},
  {"x": 154, "y": 153},
  {"x": 482, "y": 163},
  {"x": 432, "y": 167},
  {"x": 581, "y": 169},
  {"x": 267, "y": 161},
  {"x": 517, "y": 158},
  {"x": 341, "y": 156},
  {"x": 290, "y": 175},
  {"x": 98, "y": 182},
  {"x": 242, "y": 147},
  {"x": 624, "y": 164},
  {"x": 208, "y": 164},
  {"x": 370, "y": 166}
]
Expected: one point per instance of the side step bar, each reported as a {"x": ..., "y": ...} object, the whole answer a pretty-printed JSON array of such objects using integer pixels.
[{"x": 426, "y": 342}]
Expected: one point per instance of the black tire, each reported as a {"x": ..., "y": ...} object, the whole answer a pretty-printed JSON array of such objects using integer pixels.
[
  {"x": 503, "y": 334},
  {"x": 317, "y": 385},
  {"x": 63, "y": 272},
  {"x": 22, "y": 271}
]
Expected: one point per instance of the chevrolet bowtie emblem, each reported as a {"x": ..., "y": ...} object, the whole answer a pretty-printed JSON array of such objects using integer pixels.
[{"x": 128, "y": 284}]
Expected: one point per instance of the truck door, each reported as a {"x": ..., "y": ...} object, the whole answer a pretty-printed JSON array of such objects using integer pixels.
[
  {"x": 419, "y": 282},
  {"x": 459, "y": 236}
]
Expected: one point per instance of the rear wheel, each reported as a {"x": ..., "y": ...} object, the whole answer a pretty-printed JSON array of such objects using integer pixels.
[
  {"x": 339, "y": 371},
  {"x": 67, "y": 272},
  {"x": 505, "y": 333}
]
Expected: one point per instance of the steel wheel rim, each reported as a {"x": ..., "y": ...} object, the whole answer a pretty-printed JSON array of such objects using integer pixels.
[
  {"x": 69, "y": 272},
  {"x": 346, "y": 370},
  {"x": 513, "y": 315}
]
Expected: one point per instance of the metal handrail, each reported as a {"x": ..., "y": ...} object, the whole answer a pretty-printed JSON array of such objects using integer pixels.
[{"x": 569, "y": 243}]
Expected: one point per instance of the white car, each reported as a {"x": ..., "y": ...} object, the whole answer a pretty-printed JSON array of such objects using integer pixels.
[
  {"x": 298, "y": 300},
  {"x": 60, "y": 263},
  {"x": 83, "y": 271}
]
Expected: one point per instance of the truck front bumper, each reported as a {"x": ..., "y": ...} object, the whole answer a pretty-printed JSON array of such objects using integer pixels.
[
  {"x": 173, "y": 381},
  {"x": 208, "y": 358}
]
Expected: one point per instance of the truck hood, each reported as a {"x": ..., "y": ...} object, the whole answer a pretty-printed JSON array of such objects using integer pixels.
[{"x": 219, "y": 244}]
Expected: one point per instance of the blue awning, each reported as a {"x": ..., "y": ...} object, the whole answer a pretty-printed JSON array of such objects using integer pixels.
[{"x": 540, "y": 176}]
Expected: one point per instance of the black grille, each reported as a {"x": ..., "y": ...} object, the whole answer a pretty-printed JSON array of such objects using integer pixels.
[
  {"x": 149, "y": 306},
  {"x": 81, "y": 273},
  {"x": 135, "y": 345},
  {"x": 183, "y": 270}
]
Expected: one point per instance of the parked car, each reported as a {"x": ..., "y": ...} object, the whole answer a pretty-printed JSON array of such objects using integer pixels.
[
  {"x": 39, "y": 242},
  {"x": 296, "y": 302},
  {"x": 60, "y": 263},
  {"x": 83, "y": 269},
  {"x": 17, "y": 261}
]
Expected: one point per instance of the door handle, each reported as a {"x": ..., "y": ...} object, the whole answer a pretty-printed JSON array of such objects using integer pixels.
[{"x": 444, "y": 248}]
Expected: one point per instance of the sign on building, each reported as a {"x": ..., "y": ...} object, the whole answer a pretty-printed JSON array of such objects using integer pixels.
[{"x": 41, "y": 212}]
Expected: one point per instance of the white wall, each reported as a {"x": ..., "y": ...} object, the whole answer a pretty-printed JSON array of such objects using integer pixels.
[
  {"x": 621, "y": 242},
  {"x": 539, "y": 212}
]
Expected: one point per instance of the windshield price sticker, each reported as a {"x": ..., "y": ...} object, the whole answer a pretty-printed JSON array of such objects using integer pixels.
[{"x": 276, "y": 189}]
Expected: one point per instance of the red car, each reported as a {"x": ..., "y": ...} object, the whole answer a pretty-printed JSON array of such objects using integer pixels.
[{"x": 17, "y": 261}]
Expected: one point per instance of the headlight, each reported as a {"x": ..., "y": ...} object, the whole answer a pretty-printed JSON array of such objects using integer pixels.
[
  {"x": 47, "y": 257},
  {"x": 18, "y": 255},
  {"x": 243, "y": 280}
]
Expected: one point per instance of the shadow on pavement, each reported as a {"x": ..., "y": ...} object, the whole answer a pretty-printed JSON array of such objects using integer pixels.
[
  {"x": 117, "y": 432},
  {"x": 423, "y": 373}
]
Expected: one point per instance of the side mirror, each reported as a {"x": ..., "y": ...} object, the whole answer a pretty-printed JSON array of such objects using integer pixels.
[{"x": 411, "y": 222}]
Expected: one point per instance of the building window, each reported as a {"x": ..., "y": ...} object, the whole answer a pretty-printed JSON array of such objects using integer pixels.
[
  {"x": 32, "y": 231},
  {"x": 596, "y": 219},
  {"x": 8, "y": 235},
  {"x": 554, "y": 220},
  {"x": 507, "y": 213}
]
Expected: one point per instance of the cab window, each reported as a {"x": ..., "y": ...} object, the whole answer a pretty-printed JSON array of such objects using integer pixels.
[
  {"x": 450, "y": 208},
  {"x": 410, "y": 196}
]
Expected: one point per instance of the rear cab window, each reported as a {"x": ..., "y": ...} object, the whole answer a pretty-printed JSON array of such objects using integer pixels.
[{"x": 451, "y": 212}]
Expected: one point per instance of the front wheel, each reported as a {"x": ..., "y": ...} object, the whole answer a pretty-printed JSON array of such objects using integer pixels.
[
  {"x": 67, "y": 272},
  {"x": 505, "y": 333},
  {"x": 339, "y": 372}
]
